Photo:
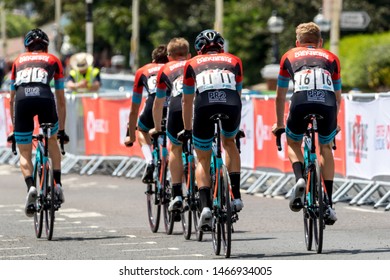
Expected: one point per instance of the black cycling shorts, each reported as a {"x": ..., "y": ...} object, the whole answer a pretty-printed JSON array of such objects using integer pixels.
[
  {"x": 25, "y": 111},
  {"x": 209, "y": 103},
  {"x": 175, "y": 119},
  {"x": 145, "y": 120},
  {"x": 301, "y": 105}
]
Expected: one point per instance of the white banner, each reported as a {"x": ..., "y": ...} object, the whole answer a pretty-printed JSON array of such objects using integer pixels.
[
  {"x": 3, "y": 124},
  {"x": 247, "y": 143},
  {"x": 367, "y": 138}
]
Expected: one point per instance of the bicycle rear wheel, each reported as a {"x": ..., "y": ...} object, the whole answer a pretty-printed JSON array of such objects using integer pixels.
[
  {"x": 38, "y": 215},
  {"x": 226, "y": 219},
  {"x": 153, "y": 202},
  {"x": 49, "y": 203},
  {"x": 319, "y": 225}
]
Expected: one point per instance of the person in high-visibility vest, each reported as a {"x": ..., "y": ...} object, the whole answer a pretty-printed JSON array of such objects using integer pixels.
[{"x": 83, "y": 77}]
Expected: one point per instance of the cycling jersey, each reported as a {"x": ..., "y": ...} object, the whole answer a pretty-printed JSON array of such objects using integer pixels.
[
  {"x": 316, "y": 77},
  {"x": 217, "y": 81},
  {"x": 170, "y": 87},
  {"x": 145, "y": 78},
  {"x": 31, "y": 75}
]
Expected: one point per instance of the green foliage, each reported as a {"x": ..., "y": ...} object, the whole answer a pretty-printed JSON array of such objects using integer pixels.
[
  {"x": 365, "y": 61},
  {"x": 17, "y": 25}
]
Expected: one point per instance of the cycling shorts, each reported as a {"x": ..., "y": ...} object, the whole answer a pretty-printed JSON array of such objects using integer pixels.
[
  {"x": 209, "y": 103},
  {"x": 175, "y": 119},
  {"x": 302, "y": 105},
  {"x": 26, "y": 109},
  {"x": 145, "y": 120}
]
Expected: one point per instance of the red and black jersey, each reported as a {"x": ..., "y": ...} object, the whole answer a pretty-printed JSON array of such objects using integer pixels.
[
  {"x": 170, "y": 79},
  {"x": 32, "y": 73},
  {"x": 145, "y": 77},
  {"x": 213, "y": 72},
  {"x": 310, "y": 68}
]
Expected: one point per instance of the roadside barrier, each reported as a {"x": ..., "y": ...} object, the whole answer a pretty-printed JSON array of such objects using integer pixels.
[{"x": 97, "y": 125}]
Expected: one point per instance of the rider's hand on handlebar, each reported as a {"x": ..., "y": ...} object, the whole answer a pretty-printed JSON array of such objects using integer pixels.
[
  {"x": 11, "y": 137},
  {"x": 184, "y": 135},
  {"x": 154, "y": 131},
  {"x": 62, "y": 136},
  {"x": 275, "y": 128},
  {"x": 128, "y": 142}
]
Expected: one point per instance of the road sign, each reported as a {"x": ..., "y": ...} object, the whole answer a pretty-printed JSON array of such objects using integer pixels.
[{"x": 358, "y": 20}]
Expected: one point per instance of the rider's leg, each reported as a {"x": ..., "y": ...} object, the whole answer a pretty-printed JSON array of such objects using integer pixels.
[
  {"x": 26, "y": 166},
  {"x": 176, "y": 168},
  {"x": 233, "y": 164},
  {"x": 202, "y": 175},
  {"x": 296, "y": 157},
  {"x": 327, "y": 168},
  {"x": 55, "y": 155},
  {"x": 146, "y": 147}
]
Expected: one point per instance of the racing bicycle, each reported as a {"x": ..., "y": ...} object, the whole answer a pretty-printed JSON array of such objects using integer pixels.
[
  {"x": 315, "y": 198},
  {"x": 158, "y": 193}
]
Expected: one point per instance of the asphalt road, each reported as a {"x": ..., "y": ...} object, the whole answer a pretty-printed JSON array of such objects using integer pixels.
[{"x": 104, "y": 218}]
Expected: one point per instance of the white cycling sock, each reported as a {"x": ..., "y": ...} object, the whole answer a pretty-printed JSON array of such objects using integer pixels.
[{"x": 147, "y": 151}]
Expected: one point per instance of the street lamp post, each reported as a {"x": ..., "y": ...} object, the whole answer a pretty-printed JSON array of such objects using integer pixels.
[
  {"x": 322, "y": 22},
  {"x": 89, "y": 27},
  {"x": 275, "y": 26}
]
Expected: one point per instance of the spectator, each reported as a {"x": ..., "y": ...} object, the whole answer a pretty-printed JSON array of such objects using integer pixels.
[{"x": 83, "y": 77}]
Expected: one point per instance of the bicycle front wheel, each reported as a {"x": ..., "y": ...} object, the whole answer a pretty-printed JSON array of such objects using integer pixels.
[
  {"x": 49, "y": 203},
  {"x": 153, "y": 202},
  {"x": 226, "y": 219},
  {"x": 186, "y": 217},
  {"x": 38, "y": 215},
  {"x": 319, "y": 202}
]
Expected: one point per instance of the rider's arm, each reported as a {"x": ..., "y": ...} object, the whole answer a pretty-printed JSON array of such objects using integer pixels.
[
  {"x": 158, "y": 107},
  {"x": 133, "y": 116},
  {"x": 11, "y": 105},
  {"x": 188, "y": 101},
  {"x": 61, "y": 108},
  {"x": 280, "y": 105}
]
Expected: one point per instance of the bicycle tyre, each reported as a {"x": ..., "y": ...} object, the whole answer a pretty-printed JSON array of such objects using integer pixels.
[
  {"x": 186, "y": 216},
  {"x": 153, "y": 203},
  {"x": 38, "y": 215},
  {"x": 226, "y": 219},
  {"x": 320, "y": 224},
  {"x": 216, "y": 232},
  {"x": 166, "y": 193},
  {"x": 49, "y": 201}
]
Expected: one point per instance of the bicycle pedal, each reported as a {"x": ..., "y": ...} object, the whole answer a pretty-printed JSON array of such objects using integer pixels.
[{"x": 186, "y": 208}]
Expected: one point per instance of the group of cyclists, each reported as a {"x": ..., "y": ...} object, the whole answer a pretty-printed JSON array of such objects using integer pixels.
[{"x": 187, "y": 92}]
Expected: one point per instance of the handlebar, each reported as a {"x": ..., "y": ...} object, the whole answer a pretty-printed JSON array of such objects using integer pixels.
[{"x": 278, "y": 135}]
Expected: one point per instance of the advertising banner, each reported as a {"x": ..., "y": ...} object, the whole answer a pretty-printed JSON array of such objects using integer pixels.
[
  {"x": 365, "y": 131},
  {"x": 247, "y": 143},
  {"x": 105, "y": 124}
]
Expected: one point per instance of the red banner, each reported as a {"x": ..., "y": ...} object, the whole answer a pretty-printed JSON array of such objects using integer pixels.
[
  {"x": 105, "y": 123},
  {"x": 266, "y": 153}
]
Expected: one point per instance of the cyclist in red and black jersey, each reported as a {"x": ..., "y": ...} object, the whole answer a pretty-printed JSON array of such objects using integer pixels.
[
  {"x": 169, "y": 90},
  {"x": 31, "y": 95},
  {"x": 145, "y": 78},
  {"x": 317, "y": 90},
  {"x": 213, "y": 83}
]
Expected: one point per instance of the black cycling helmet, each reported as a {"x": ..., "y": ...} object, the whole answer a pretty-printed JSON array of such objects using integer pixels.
[
  {"x": 36, "y": 37},
  {"x": 209, "y": 40}
]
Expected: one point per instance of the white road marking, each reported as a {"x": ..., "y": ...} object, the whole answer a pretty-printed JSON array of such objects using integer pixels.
[
  {"x": 14, "y": 248},
  {"x": 22, "y": 256},
  {"x": 77, "y": 227},
  {"x": 9, "y": 240},
  {"x": 178, "y": 256},
  {"x": 364, "y": 210},
  {"x": 129, "y": 243},
  {"x": 82, "y": 215},
  {"x": 131, "y": 236},
  {"x": 152, "y": 249}
]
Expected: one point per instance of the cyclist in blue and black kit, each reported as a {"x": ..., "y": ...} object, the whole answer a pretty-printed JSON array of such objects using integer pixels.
[
  {"x": 317, "y": 90},
  {"x": 31, "y": 95},
  {"x": 145, "y": 78},
  {"x": 213, "y": 83}
]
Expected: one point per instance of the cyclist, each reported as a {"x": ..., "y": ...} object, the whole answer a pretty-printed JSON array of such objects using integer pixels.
[
  {"x": 145, "y": 77},
  {"x": 214, "y": 78},
  {"x": 31, "y": 95},
  {"x": 170, "y": 83},
  {"x": 317, "y": 90}
]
